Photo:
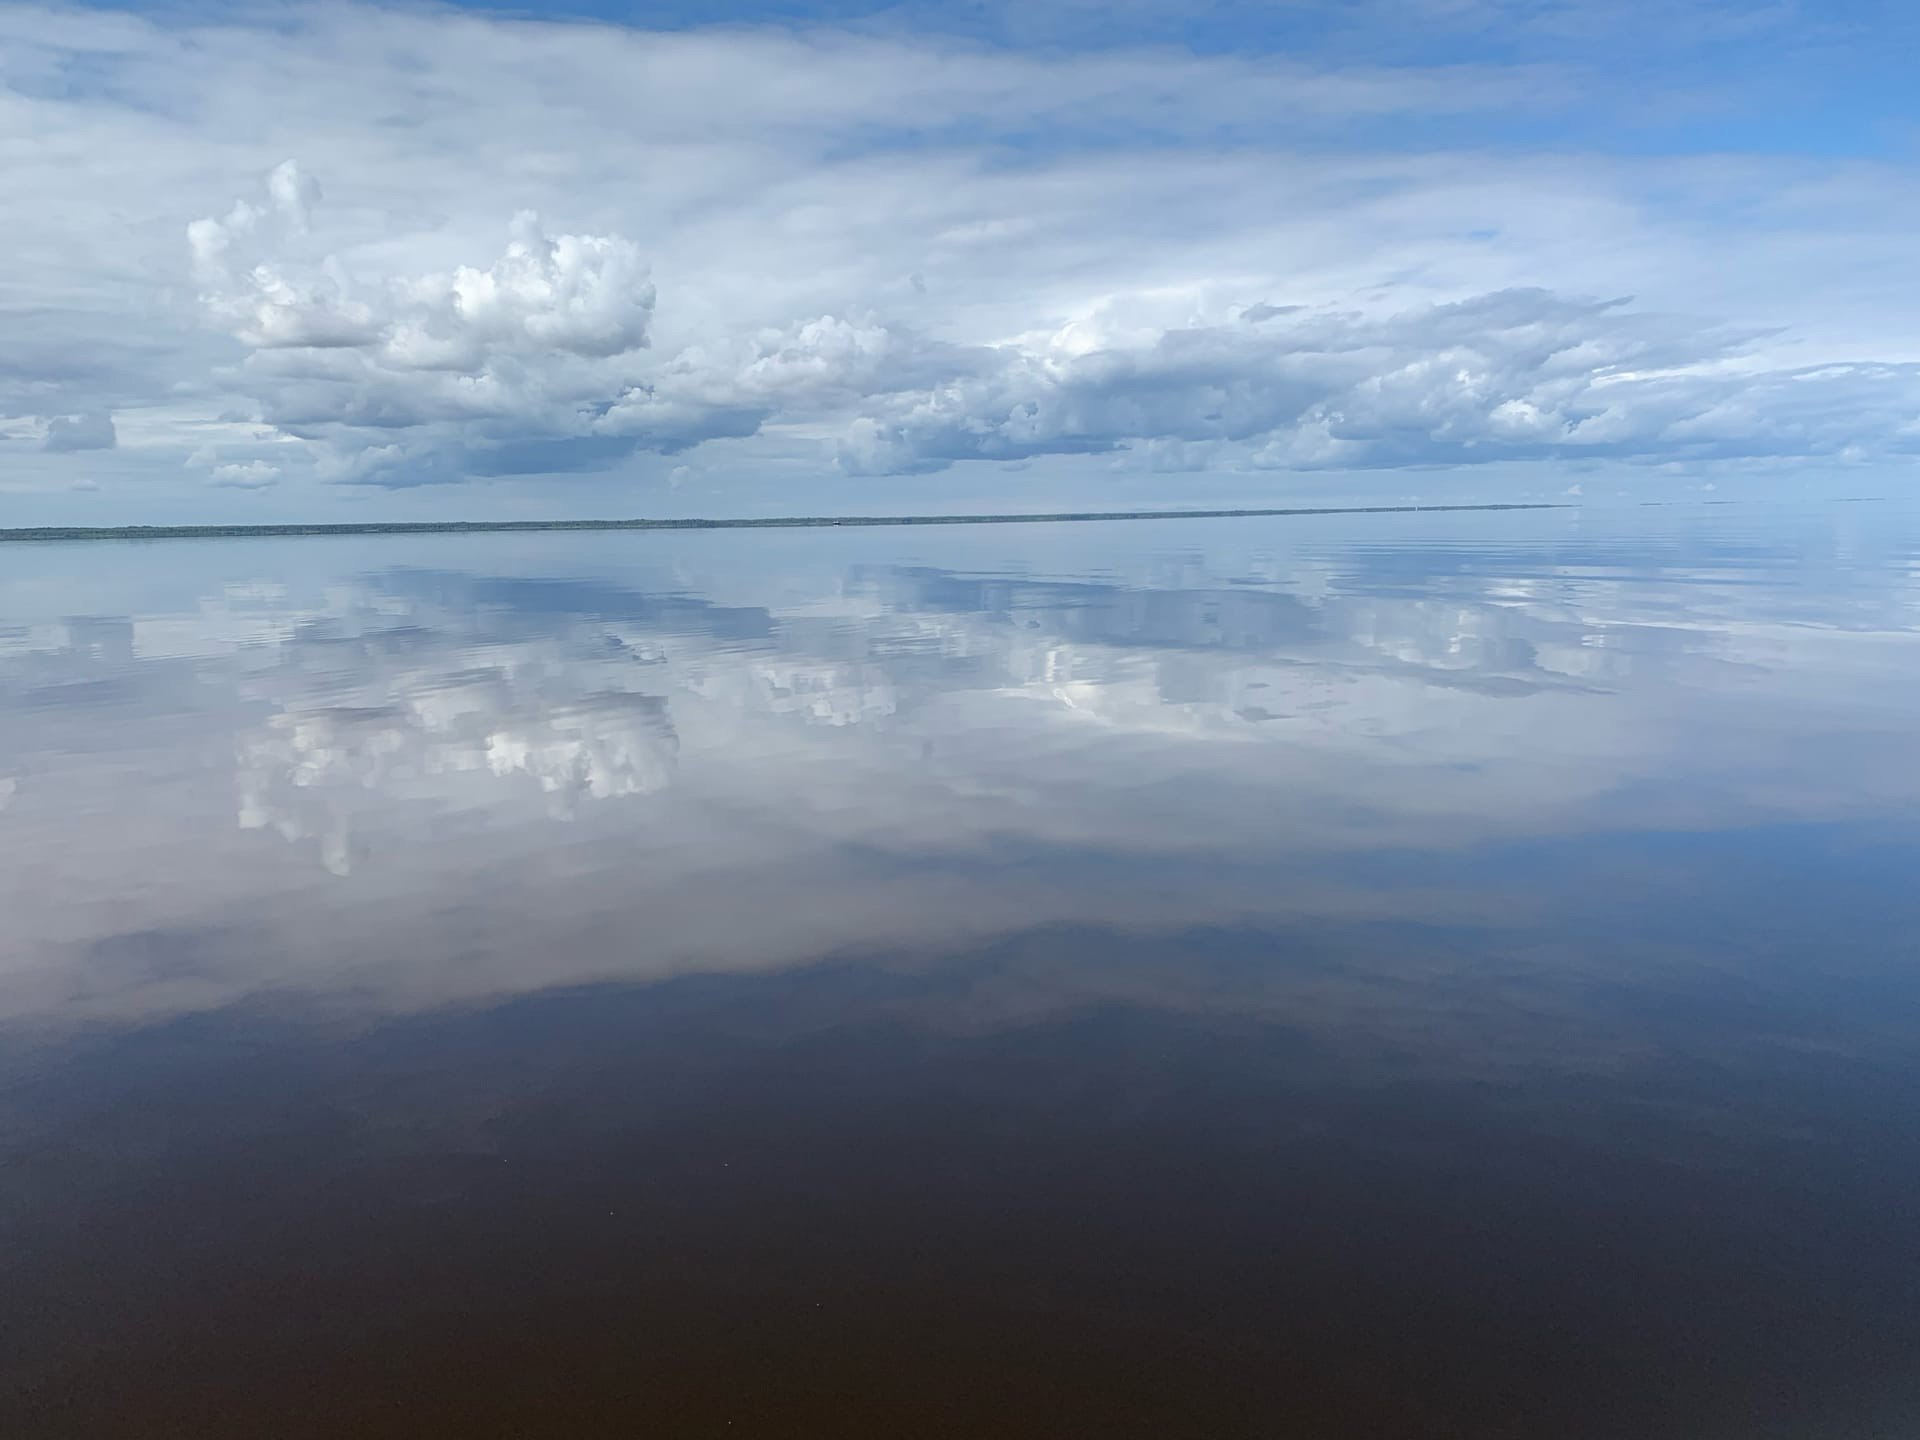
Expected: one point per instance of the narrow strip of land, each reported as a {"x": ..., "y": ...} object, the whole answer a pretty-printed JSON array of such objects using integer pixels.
[{"x": 784, "y": 522}]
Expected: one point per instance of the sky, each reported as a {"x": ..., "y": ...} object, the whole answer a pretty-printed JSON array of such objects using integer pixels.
[{"x": 350, "y": 262}]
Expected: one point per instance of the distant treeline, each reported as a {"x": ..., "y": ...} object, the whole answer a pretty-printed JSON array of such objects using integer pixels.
[{"x": 473, "y": 527}]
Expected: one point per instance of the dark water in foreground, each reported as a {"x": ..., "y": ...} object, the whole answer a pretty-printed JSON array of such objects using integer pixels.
[{"x": 1354, "y": 976}]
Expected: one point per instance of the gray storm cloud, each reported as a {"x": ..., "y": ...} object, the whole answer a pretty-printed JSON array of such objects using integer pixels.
[{"x": 91, "y": 431}]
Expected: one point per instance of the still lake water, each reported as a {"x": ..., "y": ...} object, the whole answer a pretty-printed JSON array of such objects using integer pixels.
[{"x": 1403, "y": 975}]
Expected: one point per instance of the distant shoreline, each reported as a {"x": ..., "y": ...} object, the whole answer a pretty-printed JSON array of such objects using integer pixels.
[{"x": 788, "y": 522}]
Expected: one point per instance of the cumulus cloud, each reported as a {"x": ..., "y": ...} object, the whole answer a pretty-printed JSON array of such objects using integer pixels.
[
  {"x": 540, "y": 363},
  {"x": 248, "y": 475},
  {"x": 458, "y": 365},
  {"x": 90, "y": 431},
  {"x": 583, "y": 295},
  {"x": 1515, "y": 374},
  {"x": 811, "y": 369},
  {"x": 535, "y": 364}
]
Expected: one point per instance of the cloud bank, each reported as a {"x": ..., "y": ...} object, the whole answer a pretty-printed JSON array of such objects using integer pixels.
[{"x": 537, "y": 259}]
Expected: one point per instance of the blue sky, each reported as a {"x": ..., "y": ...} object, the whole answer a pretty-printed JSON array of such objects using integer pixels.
[{"x": 350, "y": 262}]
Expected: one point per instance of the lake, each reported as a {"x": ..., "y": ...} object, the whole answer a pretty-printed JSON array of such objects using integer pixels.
[{"x": 1369, "y": 975}]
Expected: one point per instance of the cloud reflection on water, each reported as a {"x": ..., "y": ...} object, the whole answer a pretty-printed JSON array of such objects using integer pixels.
[{"x": 518, "y": 781}]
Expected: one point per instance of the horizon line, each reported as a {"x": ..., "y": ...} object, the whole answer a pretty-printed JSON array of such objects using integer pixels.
[{"x": 30, "y": 533}]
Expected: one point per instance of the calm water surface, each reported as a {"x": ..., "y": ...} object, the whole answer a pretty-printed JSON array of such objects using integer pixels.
[{"x": 1355, "y": 976}]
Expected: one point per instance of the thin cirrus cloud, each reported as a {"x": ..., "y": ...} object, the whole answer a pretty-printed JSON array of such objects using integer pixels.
[{"x": 360, "y": 251}]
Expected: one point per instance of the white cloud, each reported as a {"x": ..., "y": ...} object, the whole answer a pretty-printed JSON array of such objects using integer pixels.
[
  {"x": 531, "y": 365},
  {"x": 530, "y": 348},
  {"x": 1514, "y": 374},
  {"x": 250, "y": 475},
  {"x": 534, "y": 365}
]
